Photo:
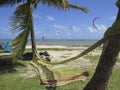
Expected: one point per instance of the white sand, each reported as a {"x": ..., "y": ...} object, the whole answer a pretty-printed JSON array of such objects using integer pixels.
[
  {"x": 62, "y": 55},
  {"x": 65, "y": 54}
]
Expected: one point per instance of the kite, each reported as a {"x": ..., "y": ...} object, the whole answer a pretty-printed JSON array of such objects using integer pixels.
[{"x": 94, "y": 22}]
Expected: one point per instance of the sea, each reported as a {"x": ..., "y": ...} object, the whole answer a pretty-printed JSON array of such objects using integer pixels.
[{"x": 66, "y": 42}]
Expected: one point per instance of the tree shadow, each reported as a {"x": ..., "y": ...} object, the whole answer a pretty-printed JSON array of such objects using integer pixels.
[{"x": 10, "y": 68}]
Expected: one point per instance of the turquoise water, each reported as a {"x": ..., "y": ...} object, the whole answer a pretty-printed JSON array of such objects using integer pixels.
[{"x": 68, "y": 42}]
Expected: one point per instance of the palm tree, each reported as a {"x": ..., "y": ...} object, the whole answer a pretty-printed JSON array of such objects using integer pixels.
[
  {"x": 108, "y": 58},
  {"x": 23, "y": 20}
]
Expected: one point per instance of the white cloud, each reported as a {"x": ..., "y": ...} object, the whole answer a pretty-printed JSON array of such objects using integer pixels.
[
  {"x": 100, "y": 28},
  {"x": 68, "y": 34},
  {"x": 49, "y": 18},
  {"x": 37, "y": 32},
  {"x": 90, "y": 29},
  {"x": 57, "y": 26},
  {"x": 76, "y": 29}
]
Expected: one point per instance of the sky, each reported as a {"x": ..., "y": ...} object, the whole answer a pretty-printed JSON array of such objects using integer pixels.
[{"x": 53, "y": 23}]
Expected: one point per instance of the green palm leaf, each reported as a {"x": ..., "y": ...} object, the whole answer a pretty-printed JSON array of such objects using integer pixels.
[
  {"x": 21, "y": 22},
  {"x": 60, "y": 4},
  {"x": 19, "y": 43},
  {"x": 78, "y": 7},
  {"x": 9, "y": 2}
]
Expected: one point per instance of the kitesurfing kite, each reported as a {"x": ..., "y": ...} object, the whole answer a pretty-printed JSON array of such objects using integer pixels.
[{"x": 94, "y": 22}]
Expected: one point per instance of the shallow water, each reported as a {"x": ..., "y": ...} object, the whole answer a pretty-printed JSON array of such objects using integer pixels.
[{"x": 67, "y": 42}]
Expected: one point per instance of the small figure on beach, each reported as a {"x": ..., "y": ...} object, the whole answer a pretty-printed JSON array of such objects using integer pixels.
[{"x": 43, "y": 37}]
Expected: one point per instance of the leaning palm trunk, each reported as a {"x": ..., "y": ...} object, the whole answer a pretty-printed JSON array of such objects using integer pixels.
[
  {"x": 108, "y": 58},
  {"x": 33, "y": 43},
  {"x": 105, "y": 65},
  {"x": 32, "y": 33}
]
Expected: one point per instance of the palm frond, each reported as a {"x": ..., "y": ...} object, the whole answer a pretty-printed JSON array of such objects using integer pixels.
[
  {"x": 60, "y": 4},
  {"x": 21, "y": 22},
  {"x": 19, "y": 43},
  {"x": 35, "y": 3},
  {"x": 20, "y": 18},
  {"x": 78, "y": 7},
  {"x": 9, "y": 2}
]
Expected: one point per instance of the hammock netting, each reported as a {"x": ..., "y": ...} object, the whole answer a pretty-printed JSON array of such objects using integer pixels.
[{"x": 62, "y": 74}]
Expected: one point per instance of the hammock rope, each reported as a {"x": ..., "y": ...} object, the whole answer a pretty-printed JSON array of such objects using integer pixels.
[{"x": 98, "y": 43}]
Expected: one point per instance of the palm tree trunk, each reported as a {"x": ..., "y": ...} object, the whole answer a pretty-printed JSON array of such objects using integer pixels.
[
  {"x": 106, "y": 63},
  {"x": 32, "y": 33},
  {"x": 33, "y": 42},
  {"x": 104, "y": 69}
]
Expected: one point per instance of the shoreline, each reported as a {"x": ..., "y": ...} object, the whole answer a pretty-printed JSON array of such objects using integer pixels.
[{"x": 59, "y": 46}]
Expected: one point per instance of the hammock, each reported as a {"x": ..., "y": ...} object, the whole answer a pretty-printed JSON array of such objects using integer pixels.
[
  {"x": 51, "y": 76},
  {"x": 57, "y": 76}
]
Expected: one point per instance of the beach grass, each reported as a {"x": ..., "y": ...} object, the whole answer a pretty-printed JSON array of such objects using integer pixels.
[
  {"x": 6, "y": 57},
  {"x": 10, "y": 79},
  {"x": 92, "y": 58},
  {"x": 2, "y": 50},
  {"x": 95, "y": 58},
  {"x": 79, "y": 85}
]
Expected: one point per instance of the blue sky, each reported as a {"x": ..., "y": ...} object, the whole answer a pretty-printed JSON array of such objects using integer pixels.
[{"x": 70, "y": 24}]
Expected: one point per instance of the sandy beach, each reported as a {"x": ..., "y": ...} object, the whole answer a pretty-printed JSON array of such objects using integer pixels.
[{"x": 67, "y": 52}]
